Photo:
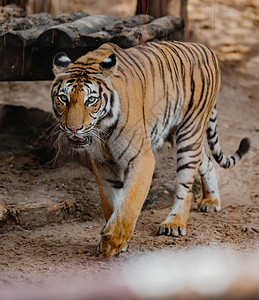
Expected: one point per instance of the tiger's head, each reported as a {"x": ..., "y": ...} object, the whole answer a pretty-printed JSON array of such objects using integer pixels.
[{"x": 83, "y": 98}]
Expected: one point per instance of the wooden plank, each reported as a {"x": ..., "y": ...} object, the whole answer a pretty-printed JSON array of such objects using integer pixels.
[
  {"x": 165, "y": 28},
  {"x": 94, "y": 40},
  {"x": 69, "y": 34},
  {"x": 128, "y": 22},
  {"x": 19, "y": 31}
]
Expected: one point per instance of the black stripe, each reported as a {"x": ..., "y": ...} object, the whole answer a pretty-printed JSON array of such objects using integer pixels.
[
  {"x": 190, "y": 156},
  {"x": 168, "y": 116},
  {"x": 195, "y": 155},
  {"x": 160, "y": 65},
  {"x": 150, "y": 65},
  {"x": 206, "y": 65},
  {"x": 55, "y": 84},
  {"x": 123, "y": 58},
  {"x": 135, "y": 156},
  {"x": 193, "y": 130},
  {"x": 117, "y": 184},
  {"x": 145, "y": 84},
  {"x": 213, "y": 135},
  {"x": 212, "y": 120},
  {"x": 112, "y": 128},
  {"x": 83, "y": 63},
  {"x": 185, "y": 185},
  {"x": 139, "y": 67},
  {"x": 166, "y": 106},
  {"x": 187, "y": 166},
  {"x": 192, "y": 94},
  {"x": 189, "y": 148},
  {"x": 112, "y": 100},
  {"x": 161, "y": 50},
  {"x": 217, "y": 156},
  {"x": 212, "y": 144},
  {"x": 121, "y": 70},
  {"x": 210, "y": 74},
  {"x": 198, "y": 142},
  {"x": 127, "y": 147},
  {"x": 153, "y": 129},
  {"x": 126, "y": 121},
  {"x": 57, "y": 113}
]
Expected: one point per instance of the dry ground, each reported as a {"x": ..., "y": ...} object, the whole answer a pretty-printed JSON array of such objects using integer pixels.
[{"x": 64, "y": 196}]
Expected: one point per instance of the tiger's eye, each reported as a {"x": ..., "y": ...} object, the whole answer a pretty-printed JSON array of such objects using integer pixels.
[
  {"x": 63, "y": 99},
  {"x": 91, "y": 100}
]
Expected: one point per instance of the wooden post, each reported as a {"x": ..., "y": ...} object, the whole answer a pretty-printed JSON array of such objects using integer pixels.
[
  {"x": 184, "y": 16},
  {"x": 49, "y": 6},
  {"x": 159, "y": 8},
  {"x": 155, "y": 8}
]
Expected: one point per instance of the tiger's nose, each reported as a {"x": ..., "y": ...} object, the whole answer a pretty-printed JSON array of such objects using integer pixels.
[{"x": 74, "y": 129}]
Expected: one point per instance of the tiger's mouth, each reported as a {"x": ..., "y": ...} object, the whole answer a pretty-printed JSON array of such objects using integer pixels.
[{"x": 77, "y": 142}]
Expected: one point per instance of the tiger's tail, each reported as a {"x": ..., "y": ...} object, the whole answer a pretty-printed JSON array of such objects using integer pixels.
[{"x": 219, "y": 156}]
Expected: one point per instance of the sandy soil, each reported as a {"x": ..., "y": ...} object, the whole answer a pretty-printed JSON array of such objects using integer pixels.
[{"x": 31, "y": 252}]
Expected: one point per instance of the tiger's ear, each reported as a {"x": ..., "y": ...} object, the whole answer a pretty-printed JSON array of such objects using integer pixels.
[
  {"x": 60, "y": 62},
  {"x": 108, "y": 65}
]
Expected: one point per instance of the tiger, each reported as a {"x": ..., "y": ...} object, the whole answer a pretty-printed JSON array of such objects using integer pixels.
[{"x": 120, "y": 106}]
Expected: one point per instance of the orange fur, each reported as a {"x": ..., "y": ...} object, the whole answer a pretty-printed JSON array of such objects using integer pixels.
[{"x": 120, "y": 105}]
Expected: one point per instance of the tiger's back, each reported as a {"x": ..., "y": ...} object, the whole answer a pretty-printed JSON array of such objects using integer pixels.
[{"x": 170, "y": 81}]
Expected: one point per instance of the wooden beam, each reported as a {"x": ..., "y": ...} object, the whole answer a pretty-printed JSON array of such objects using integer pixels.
[{"x": 27, "y": 49}]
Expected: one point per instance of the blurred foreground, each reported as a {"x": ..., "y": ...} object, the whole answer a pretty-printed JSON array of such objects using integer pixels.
[{"x": 198, "y": 273}]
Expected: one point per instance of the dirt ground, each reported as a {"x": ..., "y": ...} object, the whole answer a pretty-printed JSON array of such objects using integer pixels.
[{"x": 51, "y": 217}]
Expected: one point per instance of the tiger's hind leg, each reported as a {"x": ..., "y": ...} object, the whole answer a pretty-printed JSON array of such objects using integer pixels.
[
  {"x": 211, "y": 199},
  {"x": 188, "y": 161}
]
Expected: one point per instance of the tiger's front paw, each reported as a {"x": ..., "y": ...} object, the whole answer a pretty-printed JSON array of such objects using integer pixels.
[
  {"x": 172, "y": 228},
  {"x": 113, "y": 242},
  {"x": 207, "y": 205}
]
